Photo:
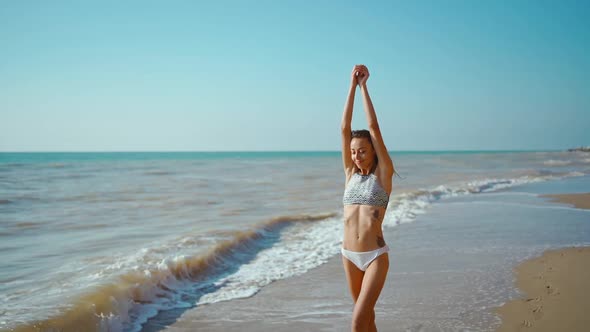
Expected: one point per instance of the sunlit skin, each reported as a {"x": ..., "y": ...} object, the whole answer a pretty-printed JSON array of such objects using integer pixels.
[
  {"x": 362, "y": 223},
  {"x": 362, "y": 153}
]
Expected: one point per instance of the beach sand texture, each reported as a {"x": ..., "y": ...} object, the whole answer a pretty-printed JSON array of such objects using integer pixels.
[
  {"x": 580, "y": 201},
  {"x": 557, "y": 287}
]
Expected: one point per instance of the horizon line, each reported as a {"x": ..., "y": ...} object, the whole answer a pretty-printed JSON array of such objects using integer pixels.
[{"x": 281, "y": 151}]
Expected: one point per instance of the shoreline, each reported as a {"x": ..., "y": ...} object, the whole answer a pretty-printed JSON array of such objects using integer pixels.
[
  {"x": 579, "y": 201},
  {"x": 428, "y": 289},
  {"x": 556, "y": 289},
  {"x": 555, "y": 286}
]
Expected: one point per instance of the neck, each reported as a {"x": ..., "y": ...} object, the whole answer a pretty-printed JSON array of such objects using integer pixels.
[{"x": 366, "y": 171}]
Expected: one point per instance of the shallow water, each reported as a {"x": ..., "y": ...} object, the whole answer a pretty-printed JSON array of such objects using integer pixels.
[
  {"x": 454, "y": 264},
  {"x": 120, "y": 237}
]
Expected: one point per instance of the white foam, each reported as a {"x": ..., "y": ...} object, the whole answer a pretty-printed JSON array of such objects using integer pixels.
[
  {"x": 299, "y": 248},
  {"x": 553, "y": 162},
  {"x": 292, "y": 257},
  {"x": 405, "y": 207},
  {"x": 164, "y": 291},
  {"x": 575, "y": 174}
]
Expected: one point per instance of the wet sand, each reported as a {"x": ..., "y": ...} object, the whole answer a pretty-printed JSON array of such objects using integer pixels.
[
  {"x": 424, "y": 291},
  {"x": 556, "y": 287},
  {"x": 580, "y": 201},
  {"x": 320, "y": 301},
  {"x": 315, "y": 301},
  {"x": 557, "y": 293}
]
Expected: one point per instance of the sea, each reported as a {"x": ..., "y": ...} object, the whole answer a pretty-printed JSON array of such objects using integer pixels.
[{"x": 109, "y": 241}]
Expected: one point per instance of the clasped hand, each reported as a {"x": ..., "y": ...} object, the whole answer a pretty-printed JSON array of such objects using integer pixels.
[{"x": 360, "y": 75}]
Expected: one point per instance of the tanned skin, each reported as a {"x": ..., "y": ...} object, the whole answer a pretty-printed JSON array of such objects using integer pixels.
[{"x": 362, "y": 223}]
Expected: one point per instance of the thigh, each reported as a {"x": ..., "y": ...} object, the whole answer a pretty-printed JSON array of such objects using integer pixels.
[
  {"x": 372, "y": 283},
  {"x": 354, "y": 276}
]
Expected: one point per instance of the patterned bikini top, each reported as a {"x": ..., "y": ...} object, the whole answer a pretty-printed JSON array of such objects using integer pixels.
[{"x": 365, "y": 190}]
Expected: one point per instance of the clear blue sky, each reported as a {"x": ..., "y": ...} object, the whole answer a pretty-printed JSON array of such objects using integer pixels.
[{"x": 273, "y": 75}]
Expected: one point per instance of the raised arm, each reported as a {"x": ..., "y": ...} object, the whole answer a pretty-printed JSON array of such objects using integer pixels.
[
  {"x": 346, "y": 124},
  {"x": 385, "y": 166}
]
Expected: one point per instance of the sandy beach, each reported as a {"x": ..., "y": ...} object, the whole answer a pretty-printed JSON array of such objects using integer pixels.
[
  {"x": 556, "y": 287},
  {"x": 580, "y": 201}
]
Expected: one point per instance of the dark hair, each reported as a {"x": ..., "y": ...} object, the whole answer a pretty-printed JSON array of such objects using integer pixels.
[{"x": 363, "y": 133}]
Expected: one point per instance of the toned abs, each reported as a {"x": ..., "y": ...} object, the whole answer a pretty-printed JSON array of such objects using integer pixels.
[{"x": 362, "y": 227}]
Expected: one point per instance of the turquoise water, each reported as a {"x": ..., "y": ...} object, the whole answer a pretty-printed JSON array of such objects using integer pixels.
[
  {"x": 30, "y": 157},
  {"x": 26, "y": 157},
  {"x": 159, "y": 230},
  {"x": 454, "y": 264}
]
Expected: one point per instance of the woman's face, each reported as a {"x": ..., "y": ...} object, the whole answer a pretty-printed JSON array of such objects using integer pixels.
[{"x": 362, "y": 153}]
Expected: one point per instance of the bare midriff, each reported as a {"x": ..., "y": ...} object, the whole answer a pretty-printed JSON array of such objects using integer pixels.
[{"x": 362, "y": 227}]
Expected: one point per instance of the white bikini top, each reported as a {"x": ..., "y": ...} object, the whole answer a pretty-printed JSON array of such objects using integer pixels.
[{"x": 365, "y": 190}]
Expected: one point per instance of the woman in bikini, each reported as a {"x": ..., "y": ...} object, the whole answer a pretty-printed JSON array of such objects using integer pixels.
[{"x": 369, "y": 170}]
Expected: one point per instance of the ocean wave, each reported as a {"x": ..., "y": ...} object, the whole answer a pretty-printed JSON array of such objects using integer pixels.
[
  {"x": 406, "y": 206},
  {"x": 241, "y": 264},
  {"x": 158, "y": 172},
  {"x": 183, "y": 281},
  {"x": 13, "y": 164},
  {"x": 28, "y": 225},
  {"x": 553, "y": 162}
]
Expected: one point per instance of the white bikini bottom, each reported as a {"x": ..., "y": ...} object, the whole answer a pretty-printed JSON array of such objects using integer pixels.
[{"x": 363, "y": 259}]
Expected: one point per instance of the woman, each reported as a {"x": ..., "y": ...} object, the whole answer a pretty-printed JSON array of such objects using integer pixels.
[{"x": 369, "y": 171}]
